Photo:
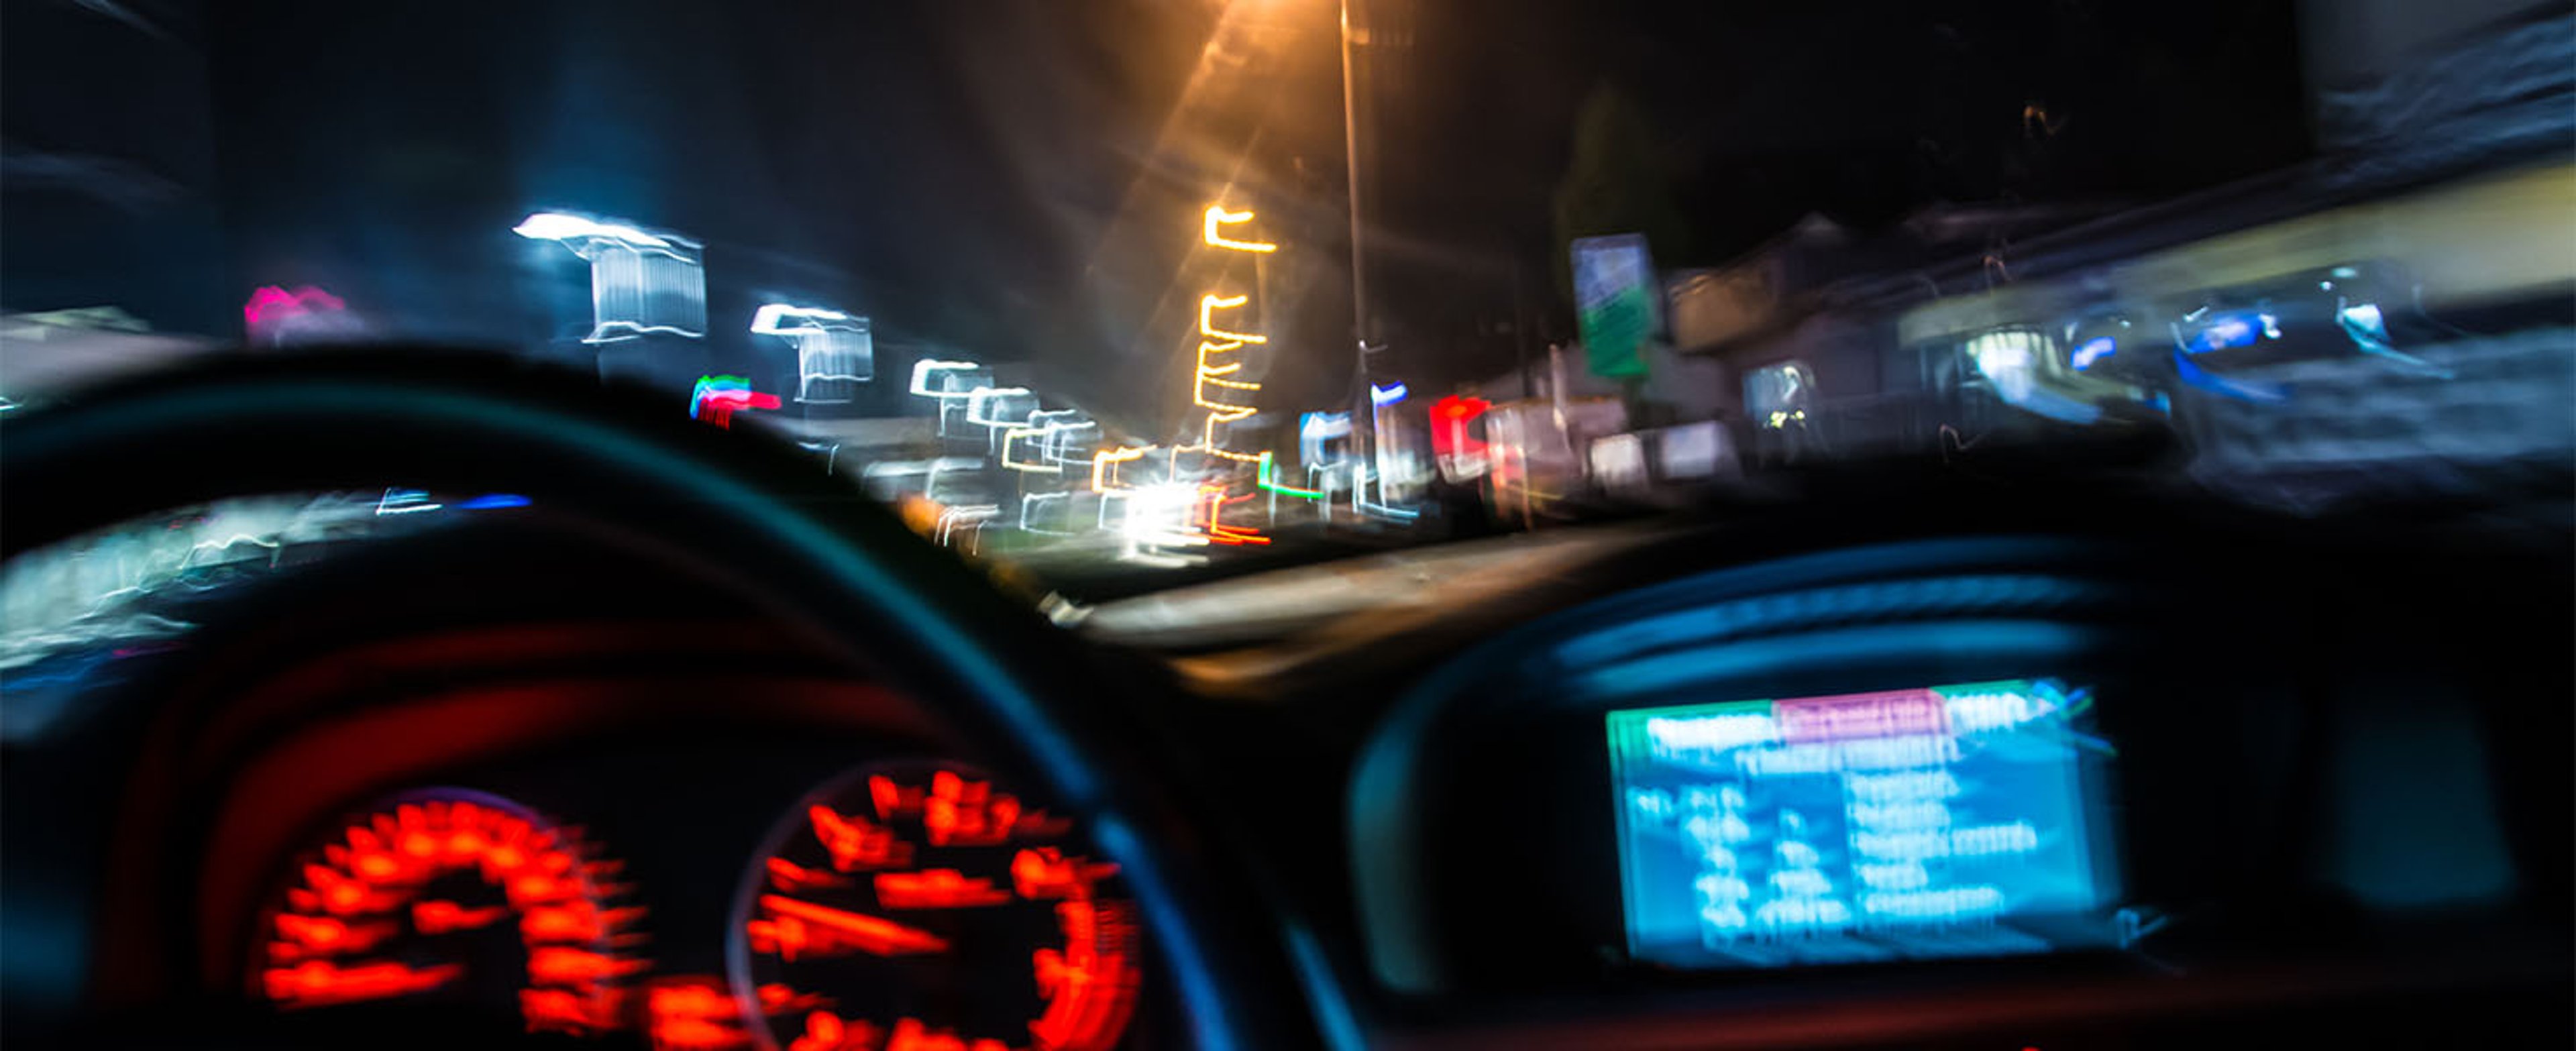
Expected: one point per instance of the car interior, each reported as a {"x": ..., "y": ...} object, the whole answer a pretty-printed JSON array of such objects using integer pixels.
[{"x": 2303, "y": 802}]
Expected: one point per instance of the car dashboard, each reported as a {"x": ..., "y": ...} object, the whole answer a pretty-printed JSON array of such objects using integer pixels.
[{"x": 2039, "y": 778}]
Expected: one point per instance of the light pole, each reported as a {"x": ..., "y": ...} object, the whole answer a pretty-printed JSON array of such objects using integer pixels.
[
  {"x": 1351, "y": 153},
  {"x": 1363, "y": 424}
]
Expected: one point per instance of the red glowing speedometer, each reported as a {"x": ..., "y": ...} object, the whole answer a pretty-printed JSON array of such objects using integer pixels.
[
  {"x": 446, "y": 895},
  {"x": 920, "y": 906}
]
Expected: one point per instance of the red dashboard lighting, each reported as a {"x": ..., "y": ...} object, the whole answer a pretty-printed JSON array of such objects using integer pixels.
[
  {"x": 556, "y": 965},
  {"x": 825, "y": 1031},
  {"x": 963, "y": 813},
  {"x": 936, "y": 889},
  {"x": 893, "y": 800},
  {"x": 564, "y": 1011},
  {"x": 323, "y": 936},
  {"x": 911, "y": 1034},
  {"x": 780, "y": 998},
  {"x": 576, "y": 921},
  {"x": 1041, "y": 872},
  {"x": 693, "y": 1014},
  {"x": 440, "y": 917},
  {"x": 1091, "y": 984},
  {"x": 366, "y": 896},
  {"x": 317, "y": 982},
  {"x": 998, "y": 885},
  {"x": 800, "y": 927},
  {"x": 789, "y": 876},
  {"x": 857, "y": 843}
]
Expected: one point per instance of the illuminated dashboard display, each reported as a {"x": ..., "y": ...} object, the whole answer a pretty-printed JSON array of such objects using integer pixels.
[{"x": 1903, "y": 824}]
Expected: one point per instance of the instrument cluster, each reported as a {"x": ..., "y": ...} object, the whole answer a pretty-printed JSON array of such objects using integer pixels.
[{"x": 913, "y": 905}]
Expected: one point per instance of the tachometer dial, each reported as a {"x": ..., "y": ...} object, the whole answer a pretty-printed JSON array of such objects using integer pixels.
[
  {"x": 449, "y": 895},
  {"x": 920, "y": 905}
]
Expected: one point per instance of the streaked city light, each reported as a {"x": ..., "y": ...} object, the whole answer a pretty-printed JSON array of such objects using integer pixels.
[
  {"x": 640, "y": 282},
  {"x": 714, "y": 399},
  {"x": 1208, "y": 306},
  {"x": 928, "y": 377},
  {"x": 834, "y": 351},
  {"x": 558, "y": 226},
  {"x": 1267, "y": 478},
  {"x": 1105, "y": 462},
  {"x": 1217, "y": 216}
]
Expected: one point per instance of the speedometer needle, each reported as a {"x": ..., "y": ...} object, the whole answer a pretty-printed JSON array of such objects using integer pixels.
[{"x": 871, "y": 934}]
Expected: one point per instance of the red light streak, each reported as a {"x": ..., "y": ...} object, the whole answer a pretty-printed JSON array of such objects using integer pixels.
[
  {"x": 936, "y": 889},
  {"x": 1041, "y": 872},
  {"x": 804, "y": 928},
  {"x": 963, "y": 813},
  {"x": 911, "y": 1034},
  {"x": 857, "y": 843},
  {"x": 1091, "y": 985},
  {"x": 778, "y": 998},
  {"x": 564, "y": 1011},
  {"x": 693, "y": 1014},
  {"x": 440, "y": 917},
  {"x": 579, "y": 921},
  {"x": 825, "y": 1031},
  {"x": 1217, "y": 531},
  {"x": 894, "y": 800},
  {"x": 322, "y": 936},
  {"x": 556, "y": 965},
  {"x": 789, "y": 876},
  {"x": 317, "y": 982}
]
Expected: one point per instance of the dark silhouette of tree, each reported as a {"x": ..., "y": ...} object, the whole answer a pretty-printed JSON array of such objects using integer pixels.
[{"x": 1616, "y": 183}]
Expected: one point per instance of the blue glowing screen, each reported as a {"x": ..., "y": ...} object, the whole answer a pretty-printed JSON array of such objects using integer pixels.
[{"x": 1904, "y": 824}]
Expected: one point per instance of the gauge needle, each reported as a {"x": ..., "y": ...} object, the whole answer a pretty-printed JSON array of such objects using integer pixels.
[{"x": 872, "y": 934}]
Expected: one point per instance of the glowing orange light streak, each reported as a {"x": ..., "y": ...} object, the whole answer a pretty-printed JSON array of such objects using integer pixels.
[
  {"x": 1209, "y": 304},
  {"x": 1102, "y": 461},
  {"x": 1217, "y": 216}
]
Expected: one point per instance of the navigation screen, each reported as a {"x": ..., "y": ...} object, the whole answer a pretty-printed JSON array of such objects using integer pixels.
[{"x": 1905, "y": 824}]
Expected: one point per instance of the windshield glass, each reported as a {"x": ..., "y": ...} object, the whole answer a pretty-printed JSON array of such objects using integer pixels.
[{"x": 1169, "y": 286}]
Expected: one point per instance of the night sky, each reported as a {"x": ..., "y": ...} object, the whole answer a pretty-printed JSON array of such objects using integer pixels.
[{"x": 1020, "y": 182}]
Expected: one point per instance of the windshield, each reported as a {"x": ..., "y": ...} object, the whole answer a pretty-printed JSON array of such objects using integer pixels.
[{"x": 1156, "y": 286}]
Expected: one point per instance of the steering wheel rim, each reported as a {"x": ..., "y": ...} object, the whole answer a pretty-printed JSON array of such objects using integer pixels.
[{"x": 358, "y": 419}]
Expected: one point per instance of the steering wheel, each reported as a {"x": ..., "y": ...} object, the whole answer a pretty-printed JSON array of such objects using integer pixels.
[{"x": 825, "y": 559}]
